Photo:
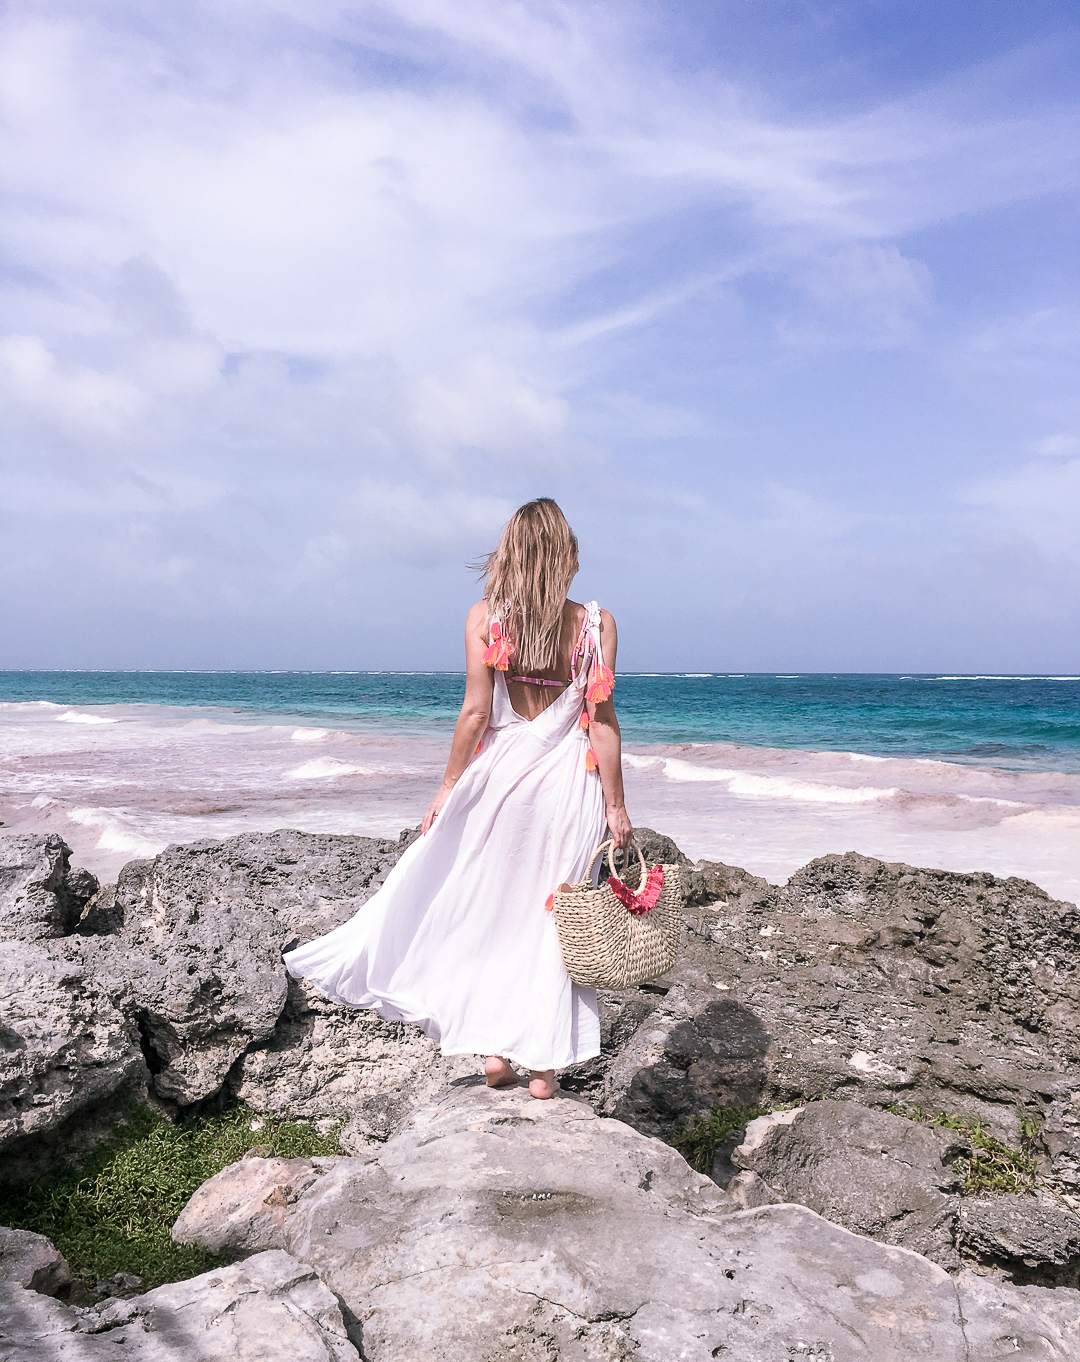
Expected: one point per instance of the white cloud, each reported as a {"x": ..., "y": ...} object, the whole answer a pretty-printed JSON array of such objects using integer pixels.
[{"x": 305, "y": 297}]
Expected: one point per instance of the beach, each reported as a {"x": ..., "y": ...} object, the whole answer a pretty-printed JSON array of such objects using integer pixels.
[{"x": 124, "y": 780}]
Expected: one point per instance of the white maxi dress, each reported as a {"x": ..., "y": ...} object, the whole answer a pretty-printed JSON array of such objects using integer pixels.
[{"x": 458, "y": 939}]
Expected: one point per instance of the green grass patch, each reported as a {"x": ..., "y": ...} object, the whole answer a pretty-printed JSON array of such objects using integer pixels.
[
  {"x": 993, "y": 1166},
  {"x": 699, "y": 1141},
  {"x": 114, "y": 1213}
]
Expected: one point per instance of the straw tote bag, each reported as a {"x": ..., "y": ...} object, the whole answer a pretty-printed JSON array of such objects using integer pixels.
[{"x": 623, "y": 932}]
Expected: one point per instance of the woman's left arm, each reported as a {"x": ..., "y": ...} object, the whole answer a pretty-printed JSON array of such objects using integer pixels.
[
  {"x": 606, "y": 742},
  {"x": 475, "y": 709}
]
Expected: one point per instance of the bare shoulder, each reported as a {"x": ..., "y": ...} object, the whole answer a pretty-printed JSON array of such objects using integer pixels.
[
  {"x": 477, "y": 616},
  {"x": 607, "y": 621}
]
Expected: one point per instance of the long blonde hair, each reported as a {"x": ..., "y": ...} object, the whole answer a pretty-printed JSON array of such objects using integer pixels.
[{"x": 527, "y": 579}]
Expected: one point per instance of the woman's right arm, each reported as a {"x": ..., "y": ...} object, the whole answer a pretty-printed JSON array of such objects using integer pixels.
[
  {"x": 475, "y": 709},
  {"x": 606, "y": 741}
]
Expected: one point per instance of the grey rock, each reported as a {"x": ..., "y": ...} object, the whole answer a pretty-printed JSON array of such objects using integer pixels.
[
  {"x": 873, "y": 1173},
  {"x": 749, "y": 1191},
  {"x": 65, "y": 1048},
  {"x": 861, "y": 980},
  {"x": 198, "y": 951},
  {"x": 271, "y": 1308},
  {"x": 497, "y": 1227},
  {"x": 41, "y": 895},
  {"x": 325, "y": 1061},
  {"x": 242, "y": 1209},
  {"x": 30, "y": 1261},
  {"x": 1030, "y": 1238},
  {"x": 101, "y": 916}
]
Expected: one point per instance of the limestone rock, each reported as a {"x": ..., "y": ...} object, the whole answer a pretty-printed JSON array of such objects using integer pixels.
[
  {"x": 325, "y": 1061},
  {"x": 876, "y": 1174},
  {"x": 30, "y": 1261},
  {"x": 880, "y": 983},
  {"x": 1031, "y": 1238},
  {"x": 271, "y": 1308},
  {"x": 41, "y": 895},
  {"x": 498, "y": 1227},
  {"x": 242, "y": 1208},
  {"x": 64, "y": 1045},
  {"x": 203, "y": 929}
]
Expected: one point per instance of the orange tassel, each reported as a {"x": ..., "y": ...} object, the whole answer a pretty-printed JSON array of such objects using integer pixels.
[
  {"x": 583, "y": 722},
  {"x": 603, "y": 681},
  {"x": 549, "y": 903},
  {"x": 479, "y": 745},
  {"x": 590, "y": 760},
  {"x": 497, "y": 655}
]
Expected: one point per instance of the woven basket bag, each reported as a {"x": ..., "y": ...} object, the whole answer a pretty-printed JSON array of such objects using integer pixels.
[{"x": 605, "y": 943}]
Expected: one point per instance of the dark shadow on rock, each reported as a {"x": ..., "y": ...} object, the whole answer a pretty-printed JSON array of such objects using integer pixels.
[{"x": 714, "y": 1059}]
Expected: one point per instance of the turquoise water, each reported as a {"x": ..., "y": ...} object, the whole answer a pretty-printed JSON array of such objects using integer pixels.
[{"x": 1019, "y": 723}]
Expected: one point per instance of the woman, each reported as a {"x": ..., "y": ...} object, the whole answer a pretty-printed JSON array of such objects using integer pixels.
[{"x": 458, "y": 939}]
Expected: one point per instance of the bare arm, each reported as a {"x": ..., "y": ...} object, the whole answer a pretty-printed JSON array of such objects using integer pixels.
[
  {"x": 607, "y": 743},
  {"x": 475, "y": 710}
]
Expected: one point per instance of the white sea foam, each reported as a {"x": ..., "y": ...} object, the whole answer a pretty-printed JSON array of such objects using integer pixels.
[
  {"x": 775, "y": 787},
  {"x": 675, "y": 769},
  {"x": 783, "y": 787},
  {"x": 116, "y": 834},
  {"x": 322, "y": 767},
  {"x": 638, "y": 763},
  {"x": 72, "y": 716},
  {"x": 310, "y": 734}
]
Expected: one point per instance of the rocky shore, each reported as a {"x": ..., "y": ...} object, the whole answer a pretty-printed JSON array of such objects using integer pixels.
[{"x": 827, "y": 1020}]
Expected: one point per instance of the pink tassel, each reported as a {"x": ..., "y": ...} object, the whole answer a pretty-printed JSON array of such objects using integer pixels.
[
  {"x": 549, "y": 903},
  {"x": 603, "y": 681},
  {"x": 583, "y": 722},
  {"x": 497, "y": 655},
  {"x": 646, "y": 898},
  {"x": 479, "y": 746},
  {"x": 590, "y": 760}
]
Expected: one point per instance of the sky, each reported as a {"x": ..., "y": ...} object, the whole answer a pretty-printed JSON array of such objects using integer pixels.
[{"x": 780, "y": 301}]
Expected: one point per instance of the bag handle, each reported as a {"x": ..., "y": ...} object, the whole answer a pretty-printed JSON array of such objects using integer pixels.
[{"x": 609, "y": 846}]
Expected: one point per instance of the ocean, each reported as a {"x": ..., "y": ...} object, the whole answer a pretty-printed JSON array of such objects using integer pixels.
[{"x": 763, "y": 771}]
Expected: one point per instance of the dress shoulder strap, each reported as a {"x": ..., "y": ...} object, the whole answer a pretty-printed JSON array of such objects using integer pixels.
[{"x": 588, "y": 662}]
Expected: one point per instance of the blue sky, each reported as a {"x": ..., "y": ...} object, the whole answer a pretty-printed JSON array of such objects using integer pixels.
[{"x": 780, "y": 301}]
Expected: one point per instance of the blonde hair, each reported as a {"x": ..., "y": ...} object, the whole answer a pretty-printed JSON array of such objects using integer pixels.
[{"x": 526, "y": 581}]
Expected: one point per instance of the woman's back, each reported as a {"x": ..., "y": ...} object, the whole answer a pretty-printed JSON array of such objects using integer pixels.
[{"x": 530, "y": 701}]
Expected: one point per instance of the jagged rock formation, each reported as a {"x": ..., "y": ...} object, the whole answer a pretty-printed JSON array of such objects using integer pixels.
[
  {"x": 65, "y": 1047},
  {"x": 40, "y": 894},
  {"x": 494, "y": 1226},
  {"x": 270, "y": 1307},
  {"x": 879, "y": 983},
  {"x": 856, "y": 981}
]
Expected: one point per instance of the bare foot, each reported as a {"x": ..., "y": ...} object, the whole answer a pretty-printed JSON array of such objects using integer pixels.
[
  {"x": 542, "y": 1083},
  {"x": 500, "y": 1073}
]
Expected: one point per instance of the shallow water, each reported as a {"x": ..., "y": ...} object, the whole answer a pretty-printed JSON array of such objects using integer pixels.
[{"x": 125, "y": 779}]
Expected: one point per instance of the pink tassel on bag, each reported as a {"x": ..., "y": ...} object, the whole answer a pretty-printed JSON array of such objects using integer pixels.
[
  {"x": 497, "y": 654},
  {"x": 646, "y": 898}
]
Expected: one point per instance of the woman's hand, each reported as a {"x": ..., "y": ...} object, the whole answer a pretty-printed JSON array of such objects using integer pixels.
[
  {"x": 620, "y": 826},
  {"x": 435, "y": 808}
]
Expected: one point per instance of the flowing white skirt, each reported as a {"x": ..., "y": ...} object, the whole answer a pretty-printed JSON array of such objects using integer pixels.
[{"x": 458, "y": 939}]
